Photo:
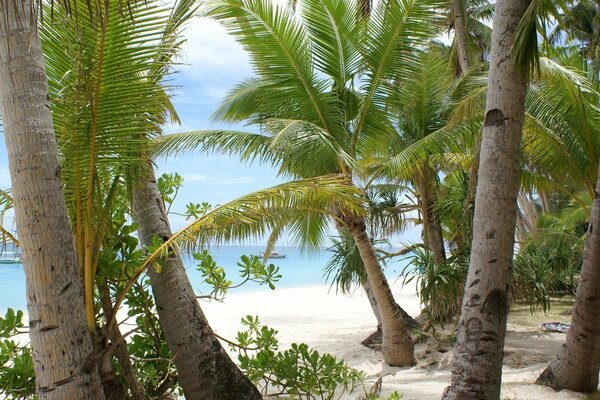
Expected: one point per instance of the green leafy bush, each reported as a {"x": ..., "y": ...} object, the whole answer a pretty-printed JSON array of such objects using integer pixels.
[
  {"x": 251, "y": 269},
  {"x": 300, "y": 372},
  {"x": 17, "y": 378},
  {"x": 439, "y": 287}
]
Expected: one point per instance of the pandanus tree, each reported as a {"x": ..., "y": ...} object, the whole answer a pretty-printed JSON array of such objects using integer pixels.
[
  {"x": 319, "y": 95},
  {"x": 62, "y": 347}
]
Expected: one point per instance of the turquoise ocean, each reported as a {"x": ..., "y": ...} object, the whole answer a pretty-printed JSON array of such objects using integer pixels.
[{"x": 298, "y": 269}]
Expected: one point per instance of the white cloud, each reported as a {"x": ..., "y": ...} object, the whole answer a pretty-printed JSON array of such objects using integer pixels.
[
  {"x": 210, "y": 48},
  {"x": 193, "y": 178}
]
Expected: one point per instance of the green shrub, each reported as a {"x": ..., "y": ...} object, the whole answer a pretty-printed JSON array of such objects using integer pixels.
[
  {"x": 299, "y": 372},
  {"x": 17, "y": 378}
]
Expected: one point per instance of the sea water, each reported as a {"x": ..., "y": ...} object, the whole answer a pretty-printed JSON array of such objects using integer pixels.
[{"x": 297, "y": 269}]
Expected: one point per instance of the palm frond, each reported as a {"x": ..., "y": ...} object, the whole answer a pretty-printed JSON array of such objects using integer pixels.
[{"x": 280, "y": 49}]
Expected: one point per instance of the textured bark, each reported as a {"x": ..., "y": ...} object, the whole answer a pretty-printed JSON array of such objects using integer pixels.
[
  {"x": 460, "y": 34},
  {"x": 61, "y": 345},
  {"x": 432, "y": 229},
  {"x": 205, "y": 370},
  {"x": 375, "y": 338},
  {"x": 528, "y": 211},
  {"x": 576, "y": 365},
  {"x": 397, "y": 346},
  {"x": 478, "y": 353}
]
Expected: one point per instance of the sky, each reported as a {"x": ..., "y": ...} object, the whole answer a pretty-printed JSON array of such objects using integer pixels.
[{"x": 211, "y": 63}]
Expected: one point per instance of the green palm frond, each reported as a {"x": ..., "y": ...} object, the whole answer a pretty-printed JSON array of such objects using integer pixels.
[
  {"x": 562, "y": 125},
  {"x": 396, "y": 28},
  {"x": 535, "y": 23},
  {"x": 331, "y": 26},
  {"x": 303, "y": 206},
  {"x": 280, "y": 49},
  {"x": 297, "y": 148}
]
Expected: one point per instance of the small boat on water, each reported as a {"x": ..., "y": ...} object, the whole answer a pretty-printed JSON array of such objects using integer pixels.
[
  {"x": 273, "y": 255},
  {"x": 10, "y": 261},
  {"x": 9, "y": 257}
]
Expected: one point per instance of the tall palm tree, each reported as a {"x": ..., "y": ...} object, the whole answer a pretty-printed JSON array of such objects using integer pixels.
[
  {"x": 319, "y": 95},
  {"x": 62, "y": 346},
  {"x": 478, "y": 352},
  {"x": 105, "y": 120}
]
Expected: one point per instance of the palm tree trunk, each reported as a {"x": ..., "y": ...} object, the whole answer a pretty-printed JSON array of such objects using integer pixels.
[
  {"x": 62, "y": 348},
  {"x": 529, "y": 212},
  {"x": 120, "y": 346},
  {"x": 375, "y": 337},
  {"x": 576, "y": 366},
  {"x": 397, "y": 346},
  {"x": 205, "y": 370},
  {"x": 460, "y": 34},
  {"x": 478, "y": 353},
  {"x": 432, "y": 229}
]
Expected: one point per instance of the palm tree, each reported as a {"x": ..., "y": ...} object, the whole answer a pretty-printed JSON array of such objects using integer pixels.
[
  {"x": 105, "y": 120},
  {"x": 62, "y": 346},
  {"x": 478, "y": 352},
  {"x": 576, "y": 366},
  {"x": 315, "y": 121}
]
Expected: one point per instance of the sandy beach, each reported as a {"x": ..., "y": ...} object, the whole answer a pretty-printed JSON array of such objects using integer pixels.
[{"x": 337, "y": 323}]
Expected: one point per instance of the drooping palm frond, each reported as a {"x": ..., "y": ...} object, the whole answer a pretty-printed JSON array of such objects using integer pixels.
[
  {"x": 535, "y": 23},
  {"x": 303, "y": 207},
  {"x": 297, "y": 148},
  {"x": 562, "y": 125}
]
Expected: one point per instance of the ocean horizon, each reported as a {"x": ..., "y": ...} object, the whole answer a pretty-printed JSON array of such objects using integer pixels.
[{"x": 298, "y": 269}]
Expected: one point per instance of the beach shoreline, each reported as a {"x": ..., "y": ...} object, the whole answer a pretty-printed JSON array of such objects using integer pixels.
[{"x": 336, "y": 323}]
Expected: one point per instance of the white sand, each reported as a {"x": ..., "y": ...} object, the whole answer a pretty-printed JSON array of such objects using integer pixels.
[{"x": 336, "y": 324}]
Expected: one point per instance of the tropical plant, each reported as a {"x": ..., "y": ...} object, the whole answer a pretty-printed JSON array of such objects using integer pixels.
[
  {"x": 320, "y": 93},
  {"x": 17, "y": 377},
  {"x": 478, "y": 353},
  {"x": 300, "y": 371},
  {"x": 60, "y": 341},
  {"x": 105, "y": 120},
  {"x": 439, "y": 286}
]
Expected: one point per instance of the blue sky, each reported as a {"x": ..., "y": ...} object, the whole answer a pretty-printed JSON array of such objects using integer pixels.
[{"x": 211, "y": 63}]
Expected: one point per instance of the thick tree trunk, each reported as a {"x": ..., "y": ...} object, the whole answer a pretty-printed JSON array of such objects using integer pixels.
[
  {"x": 62, "y": 348},
  {"x": 478, "y": 353},
  {"x": 205, "y": 370},
  {"x": 576, "y": 366},
  {"x": 397, "y": 346},
  {"x": 460, "y": 34}
]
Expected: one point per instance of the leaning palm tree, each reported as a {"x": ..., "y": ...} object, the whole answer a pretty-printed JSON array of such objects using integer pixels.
[
  {"x": 59, "y": 337},
  {"x": 322, "y": 79}
]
